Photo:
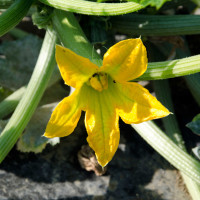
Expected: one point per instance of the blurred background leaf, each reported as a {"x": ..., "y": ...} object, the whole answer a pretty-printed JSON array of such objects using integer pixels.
[
  {"x": 194, "y": 125},
  {"x": 17, "y": 61},
  {"x": 32, "y": 140}
]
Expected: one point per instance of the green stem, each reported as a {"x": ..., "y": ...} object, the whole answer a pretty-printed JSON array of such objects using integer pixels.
[
  {"x": 26, "y": 107},
  {"x": 163, "y": 92},
  {"x": 72, "y": 36},
  {"x": 157, "y": 25},
  {"x": 18, "y": 33},
  {"x": 93, "y": 8},
  {"x": 171, "y": 69},
  {"x": 13, "y": 15},
  {"x": 168, "y": 149},
  {"x": 9, "y": 104}
]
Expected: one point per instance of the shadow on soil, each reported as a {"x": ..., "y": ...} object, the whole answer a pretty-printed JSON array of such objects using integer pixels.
[{"x": 128, "y": 174}]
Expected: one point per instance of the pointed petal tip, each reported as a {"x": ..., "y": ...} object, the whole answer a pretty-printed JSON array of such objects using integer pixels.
[
  {"x": 140, "y": 105},
  {"x": 160, "y": 114},
  {"x": 47, "y": 135},
  {"x": 103, "y": 162},
  {"x": 166, "y": 112},
  {"x": 59, "y": 47}
]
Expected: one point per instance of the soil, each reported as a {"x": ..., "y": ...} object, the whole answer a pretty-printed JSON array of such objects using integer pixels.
[{"x": 136, "y": 172}]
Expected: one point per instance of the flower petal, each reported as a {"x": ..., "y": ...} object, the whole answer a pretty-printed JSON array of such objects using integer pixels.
[
  {"x": 101, "y": 122},
  {"x": 75, "y": 69},
  {"x": 126, "y": 60},
  {"x": 65, "y": 117},
  {"x": 135, "y": 104}
]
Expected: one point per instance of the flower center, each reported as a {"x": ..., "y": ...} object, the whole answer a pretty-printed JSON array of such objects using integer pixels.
[{"x": 99, "y": 81}]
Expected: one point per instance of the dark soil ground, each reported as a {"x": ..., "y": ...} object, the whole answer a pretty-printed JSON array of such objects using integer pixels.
[{"x": 136, "y": 172}]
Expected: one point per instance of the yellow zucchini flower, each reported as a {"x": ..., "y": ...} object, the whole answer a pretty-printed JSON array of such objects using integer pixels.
[{"x": 104, "y": 93}]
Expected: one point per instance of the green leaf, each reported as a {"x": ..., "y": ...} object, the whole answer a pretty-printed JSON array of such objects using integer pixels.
[
  {"x": 194, "y": 125},
  {"x": 13, "y": 15},
  {"x": 42, "y": 17},
  {"x": 32, "y": 140}
]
